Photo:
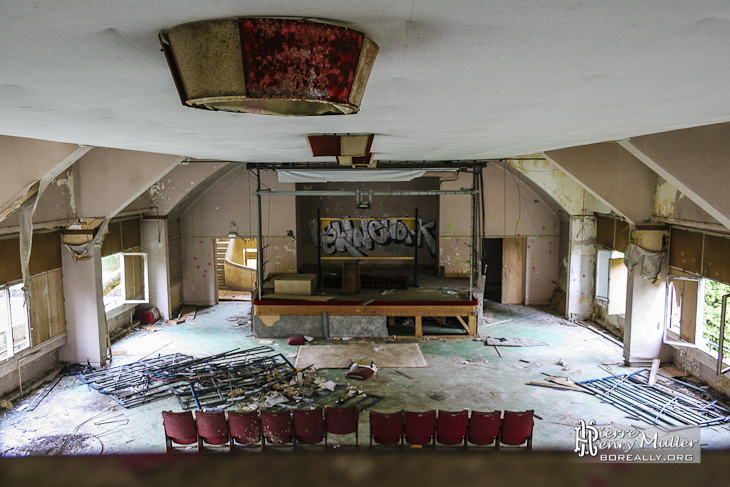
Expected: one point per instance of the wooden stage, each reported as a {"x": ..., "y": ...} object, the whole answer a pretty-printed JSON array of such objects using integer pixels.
[{"x": 417, "y": 303}]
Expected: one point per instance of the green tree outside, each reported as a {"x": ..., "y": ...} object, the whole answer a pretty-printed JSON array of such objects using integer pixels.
[{"x": 714, "y": 291}]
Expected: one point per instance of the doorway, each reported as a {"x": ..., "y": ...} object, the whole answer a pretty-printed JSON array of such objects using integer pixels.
[{"x": 492, "y": 268}]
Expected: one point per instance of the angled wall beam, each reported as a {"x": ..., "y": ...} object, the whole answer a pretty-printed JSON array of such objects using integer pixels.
[
  {"x": 613, "y": 175},
  {"x": 693, "y": 160}
]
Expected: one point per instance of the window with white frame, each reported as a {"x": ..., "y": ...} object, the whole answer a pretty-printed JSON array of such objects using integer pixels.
[
  {"x": 612, "y": 280},
  {"x": 125, "y": 279},
  {"x": 14, "y": 326}
]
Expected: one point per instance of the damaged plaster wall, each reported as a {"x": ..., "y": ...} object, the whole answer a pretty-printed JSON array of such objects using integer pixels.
[
  {"x": 581, "y": 267},
  {"x": 513, "y": 207},
  {"x": 56, "y": 206},
  {"x": 209, "y": 216},
  {"x": 672, "y": 206}
]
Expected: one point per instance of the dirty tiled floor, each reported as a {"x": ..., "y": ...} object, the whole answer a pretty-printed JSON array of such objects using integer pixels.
[{"x": 461, "y": 373}]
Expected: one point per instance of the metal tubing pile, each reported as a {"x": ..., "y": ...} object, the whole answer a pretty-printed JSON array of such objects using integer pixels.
[
  {"x": 227, "y": 380},
  {"x": 130, "y": 385},
  {"x": 667, "y": 403},
  {"x": 197, "y": 383}
]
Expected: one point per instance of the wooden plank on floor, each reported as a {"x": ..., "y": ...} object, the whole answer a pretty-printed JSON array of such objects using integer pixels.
[
  {"x": 234, "y": 296},
  {"x": 654, "y": 369},
  {"x": 298, "y": 297}
]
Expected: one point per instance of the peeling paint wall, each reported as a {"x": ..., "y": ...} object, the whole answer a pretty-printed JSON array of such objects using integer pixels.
[
  {"x": 614, "y": 323},
  {"x": 541, "y": 268},
  {"x": 513, "y": 206},
  {"x": 56, "y": 206},
  {"x": 209, "y": 216},
  {"x": 673, "y": 206},
  {"x": 581, "y": 267},
  {"x": 571, "y": 196}
]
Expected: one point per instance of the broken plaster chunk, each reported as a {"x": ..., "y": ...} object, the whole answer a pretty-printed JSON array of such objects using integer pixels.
[
  {"x": 329, "y": 385},
  {"x": 266, "y": 342},
  {"x": 308, "y": 338},
  {"x": 380, "y": 349}
]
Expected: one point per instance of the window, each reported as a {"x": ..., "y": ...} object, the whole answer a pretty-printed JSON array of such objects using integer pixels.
[
  {"x": 125, "y": 279},
  {"x": 612, "y": 280},
  {"x": 14, "y": 329},
  {"x": 708, "y": 331}
]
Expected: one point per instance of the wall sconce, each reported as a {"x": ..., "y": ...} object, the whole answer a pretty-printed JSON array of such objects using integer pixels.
[
  {"x": 233, "y": 233},
  {"x": 364, "y": 199}
]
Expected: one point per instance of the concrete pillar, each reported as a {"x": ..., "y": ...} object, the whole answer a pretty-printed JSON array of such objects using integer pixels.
[
  {"x": 581, "y": 267},
  {"x": 154, "y": 242},
  {"x": 643, "y": 329},
  {"x": 85, "y": 316}
]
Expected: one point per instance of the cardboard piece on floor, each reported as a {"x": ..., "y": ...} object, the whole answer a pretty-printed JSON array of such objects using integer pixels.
[
  {"x": 118, "y": 352},
  {"x": 152, "y": 328},
  {"x": 394, "y": 355}
]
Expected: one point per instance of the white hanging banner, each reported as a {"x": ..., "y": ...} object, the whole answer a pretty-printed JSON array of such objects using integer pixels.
[{"x": 351, "y": 175}]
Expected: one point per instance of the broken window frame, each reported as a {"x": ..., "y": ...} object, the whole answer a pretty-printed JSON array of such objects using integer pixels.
[{"x": 668, "y": 299}]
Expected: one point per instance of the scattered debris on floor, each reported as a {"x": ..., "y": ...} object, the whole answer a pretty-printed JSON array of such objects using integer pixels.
[
  {"x": 361, "y": 368},
  {"x": 5, "y": 404},
  {"x": 307, "y": 389},
  {"x": 514, "y": 342},
  {"x": 670, "y": 402},
  {"x": 59, "y": 445},
  {"x": 197, "y": 383},
  {"x": 37, "y": 400}
]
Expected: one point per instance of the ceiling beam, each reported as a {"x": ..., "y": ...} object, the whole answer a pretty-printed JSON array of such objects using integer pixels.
[
  {"x": 693, "y": 160},
  {"x": 613, "y": 175}
]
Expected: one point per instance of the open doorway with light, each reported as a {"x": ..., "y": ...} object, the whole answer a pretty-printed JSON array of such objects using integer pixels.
[{"x": 236, "y": 262}]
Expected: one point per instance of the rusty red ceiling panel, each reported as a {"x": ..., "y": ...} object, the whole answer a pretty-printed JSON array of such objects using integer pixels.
[
  {"x": 324, "y": 145},
  {"x": 299, "y": 59}
]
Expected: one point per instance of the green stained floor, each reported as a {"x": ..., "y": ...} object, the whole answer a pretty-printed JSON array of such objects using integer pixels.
[{"x": 461, "y": 373}]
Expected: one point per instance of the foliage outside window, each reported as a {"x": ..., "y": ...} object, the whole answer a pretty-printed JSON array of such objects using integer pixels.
[
  {"x": 14, "y": 330},
  {"x": 714, "y": 291},
  {"x": 111, "y": 277}
]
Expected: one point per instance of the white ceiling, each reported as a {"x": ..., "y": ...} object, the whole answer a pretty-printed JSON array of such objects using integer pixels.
[{"x": 458, "y": 79}]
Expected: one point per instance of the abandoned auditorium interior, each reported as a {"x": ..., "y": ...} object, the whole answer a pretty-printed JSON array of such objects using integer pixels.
[{"x": 420, "y": 210}]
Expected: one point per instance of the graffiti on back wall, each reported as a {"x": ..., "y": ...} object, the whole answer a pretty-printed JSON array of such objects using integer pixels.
[{"x": 353, "y": 235}]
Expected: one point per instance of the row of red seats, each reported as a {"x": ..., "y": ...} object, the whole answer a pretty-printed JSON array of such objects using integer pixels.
[{"x": 312, "y": 427}]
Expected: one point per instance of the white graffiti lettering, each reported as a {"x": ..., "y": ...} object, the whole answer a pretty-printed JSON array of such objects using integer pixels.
[{"x": 353, "y": 235}]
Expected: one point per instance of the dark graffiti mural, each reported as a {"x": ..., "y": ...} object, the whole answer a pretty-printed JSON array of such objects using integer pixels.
[{"x": 353, "y": 235}]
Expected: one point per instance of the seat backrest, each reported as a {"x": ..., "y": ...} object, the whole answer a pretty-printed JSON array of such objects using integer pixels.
[
  {"x": 276, "y": 427},
  {"x": 308, "y": 426},
  {"x": 386, "y": 428},
  {"x": 180, "y": 427},
  {"x": 484, "y": 427},
  {"x": 244, "y": 427},
  {"x": 341, "y": 421},
  {"x": 517, "y": 427},
  {"x": 451, "y": 427},
  {"x": 419, "y": 428},
  {"x": 212, "y": 427}
]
